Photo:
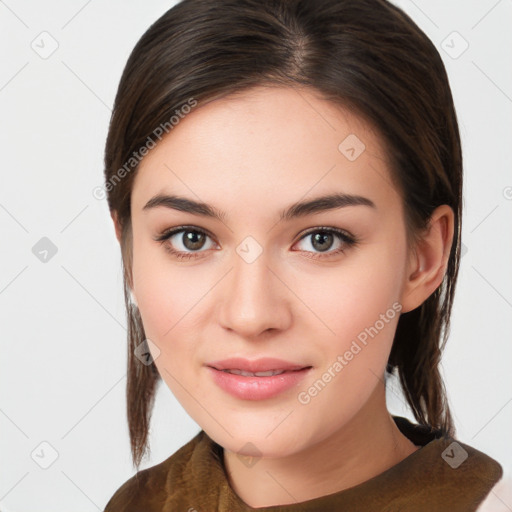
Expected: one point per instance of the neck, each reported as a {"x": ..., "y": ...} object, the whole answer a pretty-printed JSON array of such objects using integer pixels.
[{"x": 367, "y": 445}]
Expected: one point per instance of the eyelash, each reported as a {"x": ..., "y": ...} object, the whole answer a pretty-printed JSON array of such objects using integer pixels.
[{"x": 347, "y": 239}]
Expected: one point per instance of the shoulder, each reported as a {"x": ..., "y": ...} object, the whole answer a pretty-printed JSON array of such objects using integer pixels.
[
  {"x": 459, "y": 475},
  {"x": 463, "y": 475},
  {"x": 147, "y": 489},
  {"x": 500, "y": 493}
]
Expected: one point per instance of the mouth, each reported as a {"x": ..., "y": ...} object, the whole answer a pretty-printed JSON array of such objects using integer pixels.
[
  {"x": 259, "y": 379},
  {"x": 263, "y": 367},
  {"x": 269, "y": 373}
]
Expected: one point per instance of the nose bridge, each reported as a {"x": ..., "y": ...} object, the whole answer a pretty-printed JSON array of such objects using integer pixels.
[{"x": 252, "y": 301}]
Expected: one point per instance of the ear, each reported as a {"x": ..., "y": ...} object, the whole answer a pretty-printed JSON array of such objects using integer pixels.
[
  {"x": 117, "y": 226},
  {"x": 428, "y": 259}
]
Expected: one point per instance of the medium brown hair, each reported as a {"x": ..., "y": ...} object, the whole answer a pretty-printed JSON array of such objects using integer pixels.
[{"x": 365, "y": 55}]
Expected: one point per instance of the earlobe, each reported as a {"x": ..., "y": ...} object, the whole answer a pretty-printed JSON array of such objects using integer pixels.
[
  {"x": 133, "y": 299},
  {"x": 429, "y": 258},
  {"x": 117, "y": 227}
]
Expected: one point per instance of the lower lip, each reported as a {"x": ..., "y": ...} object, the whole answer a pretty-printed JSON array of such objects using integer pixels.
[{"x": 257, "y": 388}]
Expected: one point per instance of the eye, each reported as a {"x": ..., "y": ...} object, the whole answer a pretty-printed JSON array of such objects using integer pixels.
[
  {"x": 324, "y": 238},
  {"x": 189, "y": 240},
  {"x": 184, "y": 238}
]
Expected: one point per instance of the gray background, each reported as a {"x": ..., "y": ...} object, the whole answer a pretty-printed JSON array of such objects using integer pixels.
[{"x": 62, "y": 369}]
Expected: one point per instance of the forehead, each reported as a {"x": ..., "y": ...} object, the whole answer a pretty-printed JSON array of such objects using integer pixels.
[{"x": 271, "y": 143}]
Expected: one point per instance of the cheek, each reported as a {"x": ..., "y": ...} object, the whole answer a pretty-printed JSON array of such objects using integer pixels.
[
  {"x": 172, "y": 300},
  {"x": 352, "y": 297},
  {"x": 167, "y": 303},
  {"x": 167, "y": 315},
  {"x": 164, "y": 291},
  {"x": 360, "y": 306},
  {"x": 160, "y": 300}
]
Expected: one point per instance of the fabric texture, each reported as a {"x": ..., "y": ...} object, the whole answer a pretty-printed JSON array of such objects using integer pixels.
[{"x": 442, "y": 475}]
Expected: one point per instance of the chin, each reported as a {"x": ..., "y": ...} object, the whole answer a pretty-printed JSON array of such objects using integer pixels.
[{"x": 254, "y": 441}]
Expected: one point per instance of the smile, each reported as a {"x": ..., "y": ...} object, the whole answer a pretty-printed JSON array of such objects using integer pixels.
[{"x": 258, "y": 380}]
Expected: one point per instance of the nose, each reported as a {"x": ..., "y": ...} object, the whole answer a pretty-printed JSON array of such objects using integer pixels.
[{"x": 253, "y": 299}]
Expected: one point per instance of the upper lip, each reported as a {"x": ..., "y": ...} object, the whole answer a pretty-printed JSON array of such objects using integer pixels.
[{"x": 258, "y": 365}]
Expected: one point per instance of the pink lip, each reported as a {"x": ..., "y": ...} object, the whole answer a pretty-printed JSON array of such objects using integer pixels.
[
  {"x": 256, "y": 388},
  {"x": 258, "y": 365}
]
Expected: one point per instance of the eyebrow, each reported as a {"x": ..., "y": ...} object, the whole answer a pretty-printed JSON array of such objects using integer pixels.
[{"x": 299, "y": 209}]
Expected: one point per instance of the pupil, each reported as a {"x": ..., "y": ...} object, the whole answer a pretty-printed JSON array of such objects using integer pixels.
[
  {"x": 321, "y": 237},
  {"x": 193, "y": 240}
]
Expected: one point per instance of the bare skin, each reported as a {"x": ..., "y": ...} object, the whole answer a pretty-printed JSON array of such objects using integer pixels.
[
  {"x": 252, "y": 156},
  {"x": 272, "y": 481}
]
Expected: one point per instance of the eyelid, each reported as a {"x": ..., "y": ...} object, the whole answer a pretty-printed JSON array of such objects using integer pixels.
[
  {"x": 330, "y": 229},
  {"x": 167, "y": 233}
]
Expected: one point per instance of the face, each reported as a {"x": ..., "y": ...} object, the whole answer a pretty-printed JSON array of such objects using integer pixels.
[{"x": 319, "y": 288}]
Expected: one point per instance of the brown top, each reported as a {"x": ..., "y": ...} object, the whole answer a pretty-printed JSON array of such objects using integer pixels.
[{"x": 443, "y": 475}]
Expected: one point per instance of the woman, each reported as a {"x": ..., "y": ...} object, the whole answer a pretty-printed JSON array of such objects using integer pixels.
[{"x": 285, "y": 180}]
